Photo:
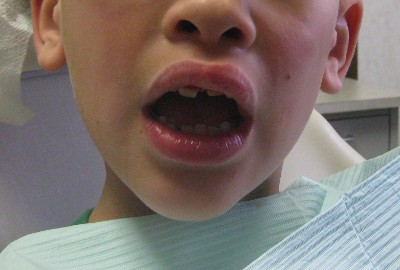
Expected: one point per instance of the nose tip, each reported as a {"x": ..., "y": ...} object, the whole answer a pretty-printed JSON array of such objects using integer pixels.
[{"x": 213, "y": 23}]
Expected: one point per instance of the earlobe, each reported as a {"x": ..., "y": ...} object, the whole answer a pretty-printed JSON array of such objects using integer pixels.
[
  {"x": 345, "y": 41},
  {"x": 331, "y": 82},
  {"x": 47, "y": 36}
]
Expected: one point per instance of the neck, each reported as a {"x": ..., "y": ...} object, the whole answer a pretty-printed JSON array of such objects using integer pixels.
[
  {"x": 117, "y": 201},
  {"x": 267, "y": 188}
]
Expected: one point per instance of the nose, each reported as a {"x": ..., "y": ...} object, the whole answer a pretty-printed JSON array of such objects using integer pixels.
[{"x": 212, "y": 22}]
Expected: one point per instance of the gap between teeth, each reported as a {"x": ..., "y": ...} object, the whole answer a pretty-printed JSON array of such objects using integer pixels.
[
  {"x": 190, "y": 93},
  {"x": 199, "y": 129}
]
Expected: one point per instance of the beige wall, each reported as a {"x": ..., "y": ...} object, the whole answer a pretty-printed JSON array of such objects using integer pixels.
[{"x": 379, "y": 49}]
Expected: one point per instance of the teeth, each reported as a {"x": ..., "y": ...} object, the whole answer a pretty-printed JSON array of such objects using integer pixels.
[
  {"x": 190, "y": 93},
  {"x": 187, "y": 129},
  {"x": 163, "y": 120},
  {"x": 171, "y": 126},
  {"x": 201, "y": 129},
  {"x": 228, "y": 96},
  {"x": 187, "y": 92},
  {"x": 225, "y": 127}
]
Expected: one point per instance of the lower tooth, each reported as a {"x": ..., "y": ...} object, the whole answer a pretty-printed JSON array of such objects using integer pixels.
[
  {"x": 200, "y": 129},
  {"x": 225, "y": 127},
  {"x": 187, "y": 129},
  {"x": 171, "y": 126},
  {"x": 163, "y": 119}
]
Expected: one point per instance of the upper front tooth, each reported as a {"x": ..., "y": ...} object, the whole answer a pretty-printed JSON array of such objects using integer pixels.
[
  {"x": 187, "y": 92},
  {"x": 228, "y": 96}
]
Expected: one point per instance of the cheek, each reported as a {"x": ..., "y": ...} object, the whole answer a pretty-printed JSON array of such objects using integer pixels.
[
  {"x": 103, "y": 51},
  {"x": 294, "y": 37},
  {"x": 294, "y": 59}
]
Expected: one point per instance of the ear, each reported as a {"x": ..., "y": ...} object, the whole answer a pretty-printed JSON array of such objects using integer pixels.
[
  {"x": 47, "y": 36},
  {"x": 347, "y": 30}
]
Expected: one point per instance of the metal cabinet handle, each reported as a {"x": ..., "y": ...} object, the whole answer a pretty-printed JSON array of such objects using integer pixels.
[{"x": 349, "y": 140}]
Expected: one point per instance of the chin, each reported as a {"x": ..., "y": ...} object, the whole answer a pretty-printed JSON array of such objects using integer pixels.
[
  {"x": 193, "y": 213},
  {"x": 194, "y": 199}
]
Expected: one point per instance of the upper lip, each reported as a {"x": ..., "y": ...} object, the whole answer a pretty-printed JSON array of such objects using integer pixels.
[{"x": 225, "y": 78}]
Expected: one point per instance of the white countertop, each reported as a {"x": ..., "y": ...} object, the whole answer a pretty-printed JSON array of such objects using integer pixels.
[{"x": 358, "y": 96}]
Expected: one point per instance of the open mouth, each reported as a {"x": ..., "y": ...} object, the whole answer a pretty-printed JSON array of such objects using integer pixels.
[
  {"x": 199, "y": 114},
  {"x": 197, "y": 111}
]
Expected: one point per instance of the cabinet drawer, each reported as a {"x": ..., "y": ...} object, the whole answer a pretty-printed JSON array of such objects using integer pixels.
[{"x": 369, "y": 135}]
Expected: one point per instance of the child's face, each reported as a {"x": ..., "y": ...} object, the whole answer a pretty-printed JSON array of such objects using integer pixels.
[{"x": 270, "y": 55}]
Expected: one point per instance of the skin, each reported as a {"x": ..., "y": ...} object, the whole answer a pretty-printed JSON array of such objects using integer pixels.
[{"x": 115, "y": 50}]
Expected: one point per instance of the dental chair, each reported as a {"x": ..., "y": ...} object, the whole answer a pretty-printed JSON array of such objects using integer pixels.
[
  {"x": 319, "y": 152},
  {"x": 50, "y": 171}
]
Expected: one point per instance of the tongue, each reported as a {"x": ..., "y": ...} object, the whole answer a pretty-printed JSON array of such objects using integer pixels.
[{"x": 211, "y": 111}]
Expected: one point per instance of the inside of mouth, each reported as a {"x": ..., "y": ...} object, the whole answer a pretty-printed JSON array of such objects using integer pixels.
[{"x": 202, "y": 115}]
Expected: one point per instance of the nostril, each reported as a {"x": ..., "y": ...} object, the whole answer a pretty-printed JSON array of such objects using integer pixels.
[
  {"x": 233, "y": 34},
  {"x": 186, "y": 26}
]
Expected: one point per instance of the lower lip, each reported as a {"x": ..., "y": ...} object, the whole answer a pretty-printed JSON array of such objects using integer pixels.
[{"x": 196, "y": 149}]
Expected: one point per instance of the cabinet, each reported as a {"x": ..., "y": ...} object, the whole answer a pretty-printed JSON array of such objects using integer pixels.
[
  {"x": 366, "y": 116},
  {"x": 369, "y": 132}
]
